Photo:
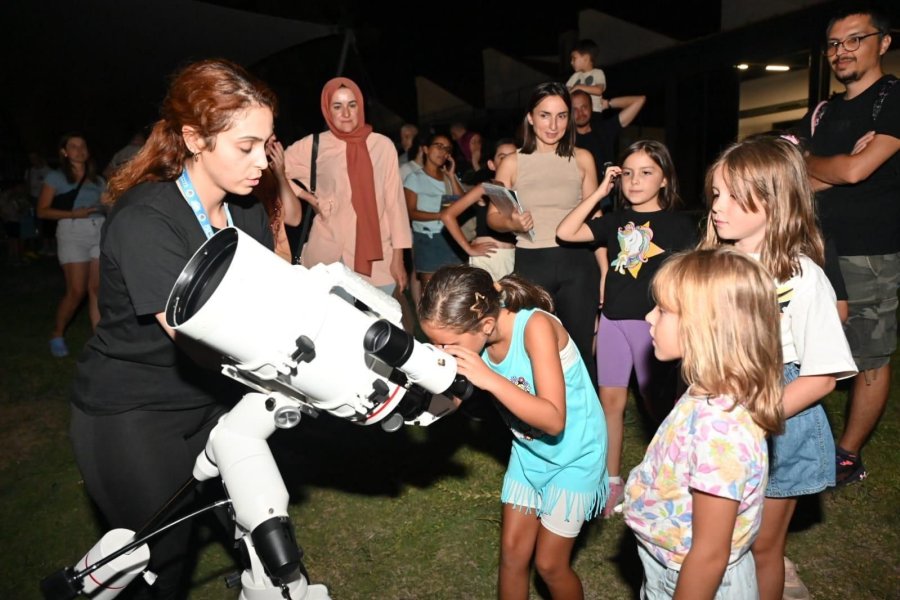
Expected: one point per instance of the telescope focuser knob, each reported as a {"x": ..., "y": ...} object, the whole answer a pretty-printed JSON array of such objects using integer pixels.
[
  {"x": 380, "y": 392},
  {"x": 306, "y": 350}
]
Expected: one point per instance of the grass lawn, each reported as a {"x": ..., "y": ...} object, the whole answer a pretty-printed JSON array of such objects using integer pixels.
[{"x": 410, "y": 515}]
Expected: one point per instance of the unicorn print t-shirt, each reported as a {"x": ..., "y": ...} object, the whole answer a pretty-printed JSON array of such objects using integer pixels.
[
  {"x": 637, "y": 244},
  {"x": 709, "y": 445}
]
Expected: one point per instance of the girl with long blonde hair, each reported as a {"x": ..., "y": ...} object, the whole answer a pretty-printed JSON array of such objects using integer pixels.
[
  {"x": 695, "y": 501},
  {"x": 762, "y": 204}
]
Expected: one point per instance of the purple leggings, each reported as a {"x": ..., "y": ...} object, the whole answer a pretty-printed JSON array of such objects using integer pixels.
[{"x": 621, "y": 345}]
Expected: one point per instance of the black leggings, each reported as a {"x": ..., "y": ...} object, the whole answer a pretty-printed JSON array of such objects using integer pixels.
[
  {"x": 132, "y": 463},
  {"x": 572, "y": 277}
]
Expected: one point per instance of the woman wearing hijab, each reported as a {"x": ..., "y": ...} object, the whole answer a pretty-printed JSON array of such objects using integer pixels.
[{"x": 361, "y": 218}]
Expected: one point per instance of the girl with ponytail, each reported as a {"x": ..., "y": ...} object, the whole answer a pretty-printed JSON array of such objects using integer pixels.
[{"x": 508, "y": 343}]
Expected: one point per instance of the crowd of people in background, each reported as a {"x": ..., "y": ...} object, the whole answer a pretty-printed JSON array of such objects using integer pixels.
[{"x": 597, "y": 278}]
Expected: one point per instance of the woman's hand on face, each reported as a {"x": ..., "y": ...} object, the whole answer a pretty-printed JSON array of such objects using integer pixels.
[
  {"x": 450, "y": 165},
  {"x": 470, "y": 365},
  {"x": 275, "y": 154}
]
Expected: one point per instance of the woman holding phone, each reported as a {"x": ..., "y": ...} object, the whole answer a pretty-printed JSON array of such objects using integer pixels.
[{"x": 426, "y": 192}]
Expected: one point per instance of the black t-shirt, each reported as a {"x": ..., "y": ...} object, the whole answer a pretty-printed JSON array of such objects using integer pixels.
[
  {"x": 864, "y": 218},
  {"x": 600, "y": 141},
  {"x": 131, "y": 362},
  {"x": 637, "y": 244}
]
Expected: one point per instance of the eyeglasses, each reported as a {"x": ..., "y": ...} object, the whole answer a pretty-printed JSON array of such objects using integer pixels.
[
  {"x": 851, "y": 44},
  {"x": 442, "y": 147}
]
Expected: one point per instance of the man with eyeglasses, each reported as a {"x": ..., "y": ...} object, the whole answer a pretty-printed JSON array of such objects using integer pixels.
[{"x": 854, "y": 166}]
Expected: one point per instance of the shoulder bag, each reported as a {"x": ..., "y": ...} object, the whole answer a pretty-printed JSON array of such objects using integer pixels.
[
  {"x": 66, "y": 200},
  {"x": 298, "y": 236}
]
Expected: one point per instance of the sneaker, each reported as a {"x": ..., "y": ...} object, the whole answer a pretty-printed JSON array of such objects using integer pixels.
[
  {"x": 794, "y": 588},
  {"x": 850, "y": 468},
  {"x": 614, "y": 500},
  {"x": 58, "y": 347}
]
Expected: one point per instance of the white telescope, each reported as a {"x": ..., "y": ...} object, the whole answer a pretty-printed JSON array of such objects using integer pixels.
[{"x": 323, "y": 337}]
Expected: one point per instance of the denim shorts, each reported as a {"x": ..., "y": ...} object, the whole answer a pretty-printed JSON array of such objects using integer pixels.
[
  {"x": 871, "y": 329},
  {"x": 738, "y": 582},
  {"x": 433, "y": 251},
  {"x": 801, "y": 460}
]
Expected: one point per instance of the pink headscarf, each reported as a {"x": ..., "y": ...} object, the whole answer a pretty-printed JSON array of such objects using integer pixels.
[{"x": 362, "y": 178}]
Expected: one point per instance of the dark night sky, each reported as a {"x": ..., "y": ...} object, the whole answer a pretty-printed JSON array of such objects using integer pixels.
[
  {"x": 396, "y": 44},
  {"x": 112, "y": 79}
]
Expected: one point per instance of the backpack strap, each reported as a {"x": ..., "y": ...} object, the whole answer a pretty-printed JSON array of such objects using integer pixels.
[
  {"x": 883, "y": 90},
  {"x": 817, "y": 116}
]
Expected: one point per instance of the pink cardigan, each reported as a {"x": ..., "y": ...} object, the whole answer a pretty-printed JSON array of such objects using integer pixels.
[{"x": 333, "y": 238}]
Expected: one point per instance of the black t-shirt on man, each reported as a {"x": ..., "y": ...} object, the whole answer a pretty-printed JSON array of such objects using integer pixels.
[{"x": 863, "y": 218}]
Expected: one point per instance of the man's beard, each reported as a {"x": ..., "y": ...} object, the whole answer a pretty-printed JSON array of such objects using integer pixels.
[{"x": 849, "y": 77}]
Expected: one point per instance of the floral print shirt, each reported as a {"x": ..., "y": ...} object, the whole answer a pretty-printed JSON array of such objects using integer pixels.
[{"x": 707, "y": 444}]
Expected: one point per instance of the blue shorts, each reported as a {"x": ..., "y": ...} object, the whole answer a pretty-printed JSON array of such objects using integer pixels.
[
  {"x": 801, "y": 460},
  {"x": 431, "y": 252}
]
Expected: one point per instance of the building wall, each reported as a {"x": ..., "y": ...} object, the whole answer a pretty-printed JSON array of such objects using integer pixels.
[
  {"x": 737, "y": 13},
  {"x": 783, "y": 88}
]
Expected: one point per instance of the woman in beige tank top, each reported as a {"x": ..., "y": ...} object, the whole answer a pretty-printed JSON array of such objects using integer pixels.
[{"x": 550, "y": 176}]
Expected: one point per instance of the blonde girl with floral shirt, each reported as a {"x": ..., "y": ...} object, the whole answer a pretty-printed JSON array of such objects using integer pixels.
[{"x": 695, "y": 501}]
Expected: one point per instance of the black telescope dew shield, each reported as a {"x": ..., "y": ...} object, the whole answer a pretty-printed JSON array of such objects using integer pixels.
[
  {"x": 295, "y": 331},
  {"x": 388, "y": 343},
  {"x": 200, "y": 278},
  {"x": 422, "y": 363}
]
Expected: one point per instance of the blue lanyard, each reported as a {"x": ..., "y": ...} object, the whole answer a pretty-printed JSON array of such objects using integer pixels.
[{"x": 190, "y": 195}]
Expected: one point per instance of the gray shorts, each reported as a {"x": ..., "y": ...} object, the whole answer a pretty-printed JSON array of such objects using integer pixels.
[
  {"x": 871, "y": 329},
  {"x": 78, "y": 240}
]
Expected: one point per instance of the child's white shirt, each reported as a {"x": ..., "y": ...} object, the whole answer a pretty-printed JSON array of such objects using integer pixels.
[
  {"x": 811, "y": 330},
  {"x": 592, "y": 77}
]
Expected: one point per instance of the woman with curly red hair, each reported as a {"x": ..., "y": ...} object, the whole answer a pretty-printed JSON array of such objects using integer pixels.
[{"x": 142, "y": 409}]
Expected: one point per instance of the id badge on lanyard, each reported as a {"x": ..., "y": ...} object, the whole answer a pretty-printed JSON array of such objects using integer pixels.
[{"x": 190, "y": 195}]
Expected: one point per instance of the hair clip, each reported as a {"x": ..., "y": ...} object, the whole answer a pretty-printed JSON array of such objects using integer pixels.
[
  {"x": 476, "y": 308},
  {"x": 791, "y": 138}
]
